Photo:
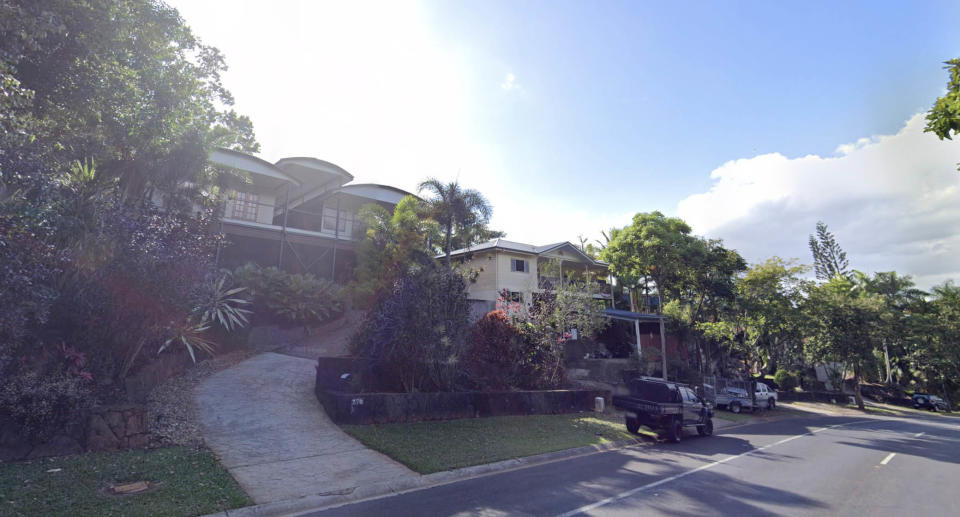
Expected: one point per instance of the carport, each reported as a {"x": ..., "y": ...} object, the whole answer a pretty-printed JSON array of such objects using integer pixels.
[{"x": 636, "y": 318}]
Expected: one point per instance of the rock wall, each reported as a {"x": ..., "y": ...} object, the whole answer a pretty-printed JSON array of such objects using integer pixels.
[
  {"x": 118, "y": 427},
  {"x": 109, "y": 428}
]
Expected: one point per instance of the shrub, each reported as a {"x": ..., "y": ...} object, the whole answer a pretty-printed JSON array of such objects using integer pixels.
[
  {"x": 786, "y": 380},
  {"x": 289, "y": 299},
  {"x": 416, "y": 336},
  {"x": 496, "y": 352}
]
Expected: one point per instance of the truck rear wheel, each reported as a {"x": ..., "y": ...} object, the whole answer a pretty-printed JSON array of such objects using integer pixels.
[
  {"x": 633, "y": 424},
  {"x": 706, "y": 429},
  {"x": 735, "y": 407},
  {"x": 675, "y": 432},
  {"x": 771, "y": 403}
]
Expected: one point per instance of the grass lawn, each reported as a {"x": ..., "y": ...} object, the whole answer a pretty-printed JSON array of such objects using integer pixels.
[
  {"x": 762, "y": 415},
  {"x": 187, "y": 482},
  {"x": 428, "y": 447}
]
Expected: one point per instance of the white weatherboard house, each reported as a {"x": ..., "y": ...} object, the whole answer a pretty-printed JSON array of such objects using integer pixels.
[{"x": 524, "y": 270}]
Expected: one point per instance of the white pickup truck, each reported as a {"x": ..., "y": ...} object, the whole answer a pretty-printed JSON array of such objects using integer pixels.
[{"x": 766, "y": 396}]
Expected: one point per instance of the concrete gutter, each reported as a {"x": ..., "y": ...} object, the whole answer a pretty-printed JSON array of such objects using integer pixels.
[{"x": 323, "y": 501}]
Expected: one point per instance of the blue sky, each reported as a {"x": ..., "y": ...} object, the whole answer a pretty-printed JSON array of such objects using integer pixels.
[{"x": 572, "y": 116}]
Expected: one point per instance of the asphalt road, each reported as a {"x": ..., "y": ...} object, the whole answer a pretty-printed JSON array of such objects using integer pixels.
[{"x": 800, "y": 466}]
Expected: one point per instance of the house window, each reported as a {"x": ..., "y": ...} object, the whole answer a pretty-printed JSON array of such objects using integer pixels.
[
  {"x": 330, "y": 223},
  {"x": 246, "y": 206},
  {"x": 516, "y": 296},
  {"x": 519, "y": 265}
]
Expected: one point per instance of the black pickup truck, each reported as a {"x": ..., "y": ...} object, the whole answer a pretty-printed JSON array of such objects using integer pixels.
[{"x": 664, "y": 406}]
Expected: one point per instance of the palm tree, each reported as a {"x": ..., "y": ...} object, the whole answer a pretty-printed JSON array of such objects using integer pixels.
[{"x": 455, "y": 208}]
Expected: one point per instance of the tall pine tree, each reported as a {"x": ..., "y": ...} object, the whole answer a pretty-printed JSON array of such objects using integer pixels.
[{"x": 829, "y": 260}]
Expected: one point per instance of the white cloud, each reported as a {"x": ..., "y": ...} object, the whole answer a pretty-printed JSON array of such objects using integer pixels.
[
  {"x": 510, "y": 83},
  {"x": 893, "y": 202}
]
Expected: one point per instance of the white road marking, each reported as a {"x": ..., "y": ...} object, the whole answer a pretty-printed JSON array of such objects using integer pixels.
[
  {"x": 628, "y": 493},
  {"x": 918, "y": 435},
  {"x": 888, "y": 458}
]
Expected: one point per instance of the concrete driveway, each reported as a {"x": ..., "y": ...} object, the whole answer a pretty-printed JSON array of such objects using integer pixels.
[{"x": 263, "y": 420}]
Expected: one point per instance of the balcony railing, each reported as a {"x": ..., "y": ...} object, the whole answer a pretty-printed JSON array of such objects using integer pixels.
[
  {"x": 550, "y": 283},
  {"x": 270, "y": 215}
]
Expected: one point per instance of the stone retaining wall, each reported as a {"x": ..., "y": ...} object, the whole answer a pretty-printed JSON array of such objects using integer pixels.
[
  {"x": 382, "y": 408},
  {"x": 106, "y": 429}
]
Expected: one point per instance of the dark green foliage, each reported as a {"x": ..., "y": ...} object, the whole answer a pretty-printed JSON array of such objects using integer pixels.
[
  {"x": 619, "y": 339},
  {"x": 943, "y": 119},
  {"x": 417, "y": 335},
  {"x": 124, "y": 82},
  {"x": 39, "y": 404},
  {"x": 786, "y": 380},
  {"x": 289, "y": 299},
  {"x": 829, "y": 260},
  {"x": 104, "y": 106}
]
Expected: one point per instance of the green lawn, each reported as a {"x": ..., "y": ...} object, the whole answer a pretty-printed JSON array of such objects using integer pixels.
[
  {"x": 187, "y": 482},
  {"x": 428, "y": 447}
]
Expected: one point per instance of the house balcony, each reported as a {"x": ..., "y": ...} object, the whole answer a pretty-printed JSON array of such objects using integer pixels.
[
  {"x": 266, "y": 220},
  {"x": 550, "y": 283}
]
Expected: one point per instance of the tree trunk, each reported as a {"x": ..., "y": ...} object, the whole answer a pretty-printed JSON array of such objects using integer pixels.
[
  {"x": 856, "y": 387},
  {"x": 446, "y": 246},
  {"x": 886, "y": 360}
]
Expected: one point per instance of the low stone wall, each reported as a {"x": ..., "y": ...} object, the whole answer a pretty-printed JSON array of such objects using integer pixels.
[
  {"x": 117, "y": 427},
  {"x": 106, "y": 429},
  {"x": 382, "y": 408}
]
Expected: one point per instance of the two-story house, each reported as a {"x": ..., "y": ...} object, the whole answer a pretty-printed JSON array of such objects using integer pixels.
[
  {"x": 524, "y": 270},
  {"x": 299, "y": 214}
]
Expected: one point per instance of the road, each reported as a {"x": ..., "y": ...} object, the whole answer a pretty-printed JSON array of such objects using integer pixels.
[{"x": 801, "y": 466}]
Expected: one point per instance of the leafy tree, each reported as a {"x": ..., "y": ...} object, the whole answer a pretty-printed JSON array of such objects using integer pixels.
[
  {"x": 943, "y": 119},
  {"x": 843, "y": 325},
  {"x": 654, "y": 249},
  {"x": 829, "y": 260},
  {"x": 457, "y": 210},
  {"x": 123, "y": 82},
  {"x": 762, "y": 325},
  {"x": 709, "y": 286},
  {"x": 900, "y": 298},
  {"x": 935, "y": 353}
]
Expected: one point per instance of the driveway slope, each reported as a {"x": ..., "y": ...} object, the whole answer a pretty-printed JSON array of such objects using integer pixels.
[{"x": 263, "y": 420}]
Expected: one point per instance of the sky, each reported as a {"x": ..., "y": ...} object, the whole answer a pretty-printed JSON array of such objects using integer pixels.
[{"x": 750, "y": 120}]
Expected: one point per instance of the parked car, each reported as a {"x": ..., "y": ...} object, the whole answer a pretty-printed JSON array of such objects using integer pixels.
[
  {"x": 766, "y": 396},
  {"x": 664, "y": 406},
  {"x": 931, "y": 402},
  {"x": 734, "y": 400}
]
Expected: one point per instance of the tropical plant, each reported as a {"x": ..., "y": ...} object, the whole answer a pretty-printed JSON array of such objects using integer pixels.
[
  {"x": 286, "y": 298},
  {"x": 222, "y": 304},
  {"x": 455, "y": 209},
  {"x": 193, "y": 337},
  {"x": 394, "y": 244}
]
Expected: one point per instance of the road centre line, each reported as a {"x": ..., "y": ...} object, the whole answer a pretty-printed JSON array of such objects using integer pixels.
[
  {"x": 888, "y": 458},
  {"x": 628, "y": 493}
]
